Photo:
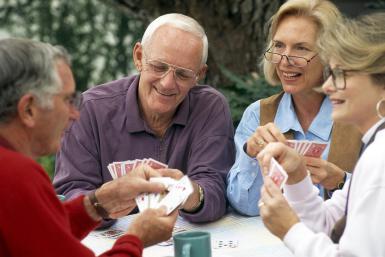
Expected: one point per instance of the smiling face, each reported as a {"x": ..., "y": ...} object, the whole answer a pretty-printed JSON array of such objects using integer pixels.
[
  {"x": 296, "y": 36},
  {"x": 356, "y": 104},
  {"x": 160, "y": 96}
]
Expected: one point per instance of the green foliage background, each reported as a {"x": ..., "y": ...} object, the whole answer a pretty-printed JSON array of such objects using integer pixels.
[{"x": 100, "y": 39}]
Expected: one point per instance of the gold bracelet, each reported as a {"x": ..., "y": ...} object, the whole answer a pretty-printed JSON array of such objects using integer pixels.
[{"x": 201, "y": 200}]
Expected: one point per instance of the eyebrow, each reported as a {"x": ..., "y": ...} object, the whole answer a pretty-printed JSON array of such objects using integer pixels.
[{"x": 296, "y": 44}]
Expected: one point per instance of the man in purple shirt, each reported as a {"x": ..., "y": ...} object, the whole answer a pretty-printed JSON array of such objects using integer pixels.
[{"x": 161, "y": 114}]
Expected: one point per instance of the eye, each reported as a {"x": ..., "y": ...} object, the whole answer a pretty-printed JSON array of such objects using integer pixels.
[
  {"x": 183, "y": 74},
  {"x": 159, "y": 67},
  {"x": 302, "y": 48},
  {"x": 278, "y": 45}
]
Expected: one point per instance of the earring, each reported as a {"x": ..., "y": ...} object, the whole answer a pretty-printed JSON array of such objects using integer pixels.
[{"x": 378, "y": 107}]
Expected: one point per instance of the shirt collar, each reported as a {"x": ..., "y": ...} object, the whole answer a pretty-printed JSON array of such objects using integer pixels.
[
  {"x": 4, "y": 143},
  {"x": 286, "y": 118},
  {"x": 135, "y": 122},
  {"x": 370, "y": 132}
]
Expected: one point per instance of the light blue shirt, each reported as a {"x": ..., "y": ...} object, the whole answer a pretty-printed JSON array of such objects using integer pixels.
[{"x": 245, "y": 178}]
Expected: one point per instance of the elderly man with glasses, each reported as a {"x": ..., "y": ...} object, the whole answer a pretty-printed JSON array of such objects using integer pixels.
[{"x": 161, "y": 114}]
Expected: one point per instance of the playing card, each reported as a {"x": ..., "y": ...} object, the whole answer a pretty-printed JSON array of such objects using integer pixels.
[
  {"x": 277, "y": 173},
  {"x": 128, "y": 166},
  {"x": 155, "y": 198},
  {"x": 155, "y": 164},
  {"x": 111, "y": 233},
  {"x": 177, "y": 195},
  {"x": 315, "y": 149},
  {"x": 142, "y": 201}
]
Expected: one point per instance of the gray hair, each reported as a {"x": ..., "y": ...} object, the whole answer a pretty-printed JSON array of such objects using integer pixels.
[
  {"x": 28, "y": 66},
  {"x": 179, "y": 21}
]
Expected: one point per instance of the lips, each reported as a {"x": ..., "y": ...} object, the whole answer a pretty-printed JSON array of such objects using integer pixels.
[
  {"x": 164, "y": 93},
  {"x": 337, "y": 101},
  {"x": 291, "y": 75}
]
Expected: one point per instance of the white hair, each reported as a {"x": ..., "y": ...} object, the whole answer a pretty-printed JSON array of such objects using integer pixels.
[{"x": 179, "y": 21}]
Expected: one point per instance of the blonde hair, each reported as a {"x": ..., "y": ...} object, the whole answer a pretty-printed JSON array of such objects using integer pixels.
[
  {"x": 324, "y": 13},
  {"x": 358, "y": 45}
]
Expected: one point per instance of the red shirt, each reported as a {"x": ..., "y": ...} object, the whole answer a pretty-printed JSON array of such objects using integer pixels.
[{"x": 33, "y": 222}]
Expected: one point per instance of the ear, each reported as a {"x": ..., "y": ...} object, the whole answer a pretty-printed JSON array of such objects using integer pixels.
[
  {"x": 27, "y": 110},
  {"x": 137, "y": 53},
  {"x": 202, "y": 72}
]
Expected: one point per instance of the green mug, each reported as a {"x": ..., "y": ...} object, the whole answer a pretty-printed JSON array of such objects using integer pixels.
[{"x": 192, "y": 244}]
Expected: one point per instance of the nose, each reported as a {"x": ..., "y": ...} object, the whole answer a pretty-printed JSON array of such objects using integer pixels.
[
  {"x": 328, "y": 86},
  {"x": 168, "y": 78}
]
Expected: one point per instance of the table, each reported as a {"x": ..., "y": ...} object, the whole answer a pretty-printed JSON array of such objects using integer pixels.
[{"x": 247, "y": 234}]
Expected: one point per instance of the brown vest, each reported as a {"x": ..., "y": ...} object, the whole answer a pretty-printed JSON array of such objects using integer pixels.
[{"x": 345, "y": 142}]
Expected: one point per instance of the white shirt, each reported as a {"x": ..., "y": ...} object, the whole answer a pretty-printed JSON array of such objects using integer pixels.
[{"x": 364, "y": 233}]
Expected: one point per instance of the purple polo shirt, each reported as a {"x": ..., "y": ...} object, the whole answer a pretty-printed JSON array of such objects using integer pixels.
[{"x": 199, "y": 142}]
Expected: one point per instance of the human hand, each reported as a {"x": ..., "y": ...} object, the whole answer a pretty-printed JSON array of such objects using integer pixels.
[
  {"x": 287, "y": 157},
  {"x": 262, "y": 136},
  {"x": 118, "y": 196},
  {"x": 275, "y": 211},
  {"x": 323, "y": 172},
  {"x": 193, "y": 200},
  {"x": 153, "y": 226}
]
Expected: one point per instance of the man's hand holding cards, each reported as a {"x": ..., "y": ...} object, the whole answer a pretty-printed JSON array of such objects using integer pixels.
[{"x": 178, "y": 192}]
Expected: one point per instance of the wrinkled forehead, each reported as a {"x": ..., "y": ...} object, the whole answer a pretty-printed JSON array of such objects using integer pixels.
[{"x": 175, "y": 46}]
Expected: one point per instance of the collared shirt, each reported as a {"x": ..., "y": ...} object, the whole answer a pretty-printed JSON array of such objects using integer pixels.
[
  {"x": 199, "y": 142},
  {"x": 245, "y": 178},
  {"x": 364, "y": 233}
]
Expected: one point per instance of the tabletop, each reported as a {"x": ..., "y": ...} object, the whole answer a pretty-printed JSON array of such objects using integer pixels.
[{"x": 231, "y": 236}]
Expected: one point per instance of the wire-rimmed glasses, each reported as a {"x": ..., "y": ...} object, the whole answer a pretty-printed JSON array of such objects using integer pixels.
[
  {"x": 338, "y": 76},
  {"x": 297, "y": 61},
  {"x": 182, "y": 75}
]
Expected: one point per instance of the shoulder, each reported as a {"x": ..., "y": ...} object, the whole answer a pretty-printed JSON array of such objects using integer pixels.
[
  {"x": 206, "y": 92},
  {"x": 109, "y": 90},
  {"x": 19, "y": 170}
]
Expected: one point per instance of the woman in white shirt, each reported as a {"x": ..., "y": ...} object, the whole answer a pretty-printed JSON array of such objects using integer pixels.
[{"x": 355, "y": 83}]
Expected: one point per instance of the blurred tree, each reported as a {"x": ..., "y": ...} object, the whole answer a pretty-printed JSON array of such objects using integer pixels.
[
  {"x": 98, "y": 36},
  {"x": 236, "y": 29}
]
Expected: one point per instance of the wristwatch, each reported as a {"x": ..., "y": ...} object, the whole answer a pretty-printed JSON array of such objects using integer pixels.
[
  {"x": 341, "y": 184},
  {"x": 98, "y": 206}
]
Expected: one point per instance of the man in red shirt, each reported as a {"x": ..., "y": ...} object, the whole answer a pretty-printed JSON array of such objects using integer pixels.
[{"x": 37, "y": 102}]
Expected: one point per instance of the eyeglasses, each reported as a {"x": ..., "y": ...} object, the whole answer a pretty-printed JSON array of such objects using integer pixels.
[
  {"x": 161, "y": 69},
  {"x": 76, "y": 99},
  {"x": 338, "y": 76},
  {"x": 297, "y": 61}
]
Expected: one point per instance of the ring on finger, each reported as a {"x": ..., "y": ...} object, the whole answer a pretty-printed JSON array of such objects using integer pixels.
[{"x": 260, "y": 143}]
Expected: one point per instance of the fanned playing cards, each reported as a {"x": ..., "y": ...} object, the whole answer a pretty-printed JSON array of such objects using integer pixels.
[
  {"x": 177, "y": 191},
  {"x": 308, "y": 148}
]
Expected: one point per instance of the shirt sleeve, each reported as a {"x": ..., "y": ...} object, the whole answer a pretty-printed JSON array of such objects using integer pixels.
[
  {"x": 81, "y": 223},
  {"x": 211, "y": 156},
  {"x": 245, "y": 178},
  {"x": 78, "y": 169}
]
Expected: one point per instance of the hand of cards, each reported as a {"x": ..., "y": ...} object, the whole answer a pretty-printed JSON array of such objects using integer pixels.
[
  {"x": 118, "y": 169},
  {"x": 178, "y": 192},
  {"x": 307, "y": 148}
]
